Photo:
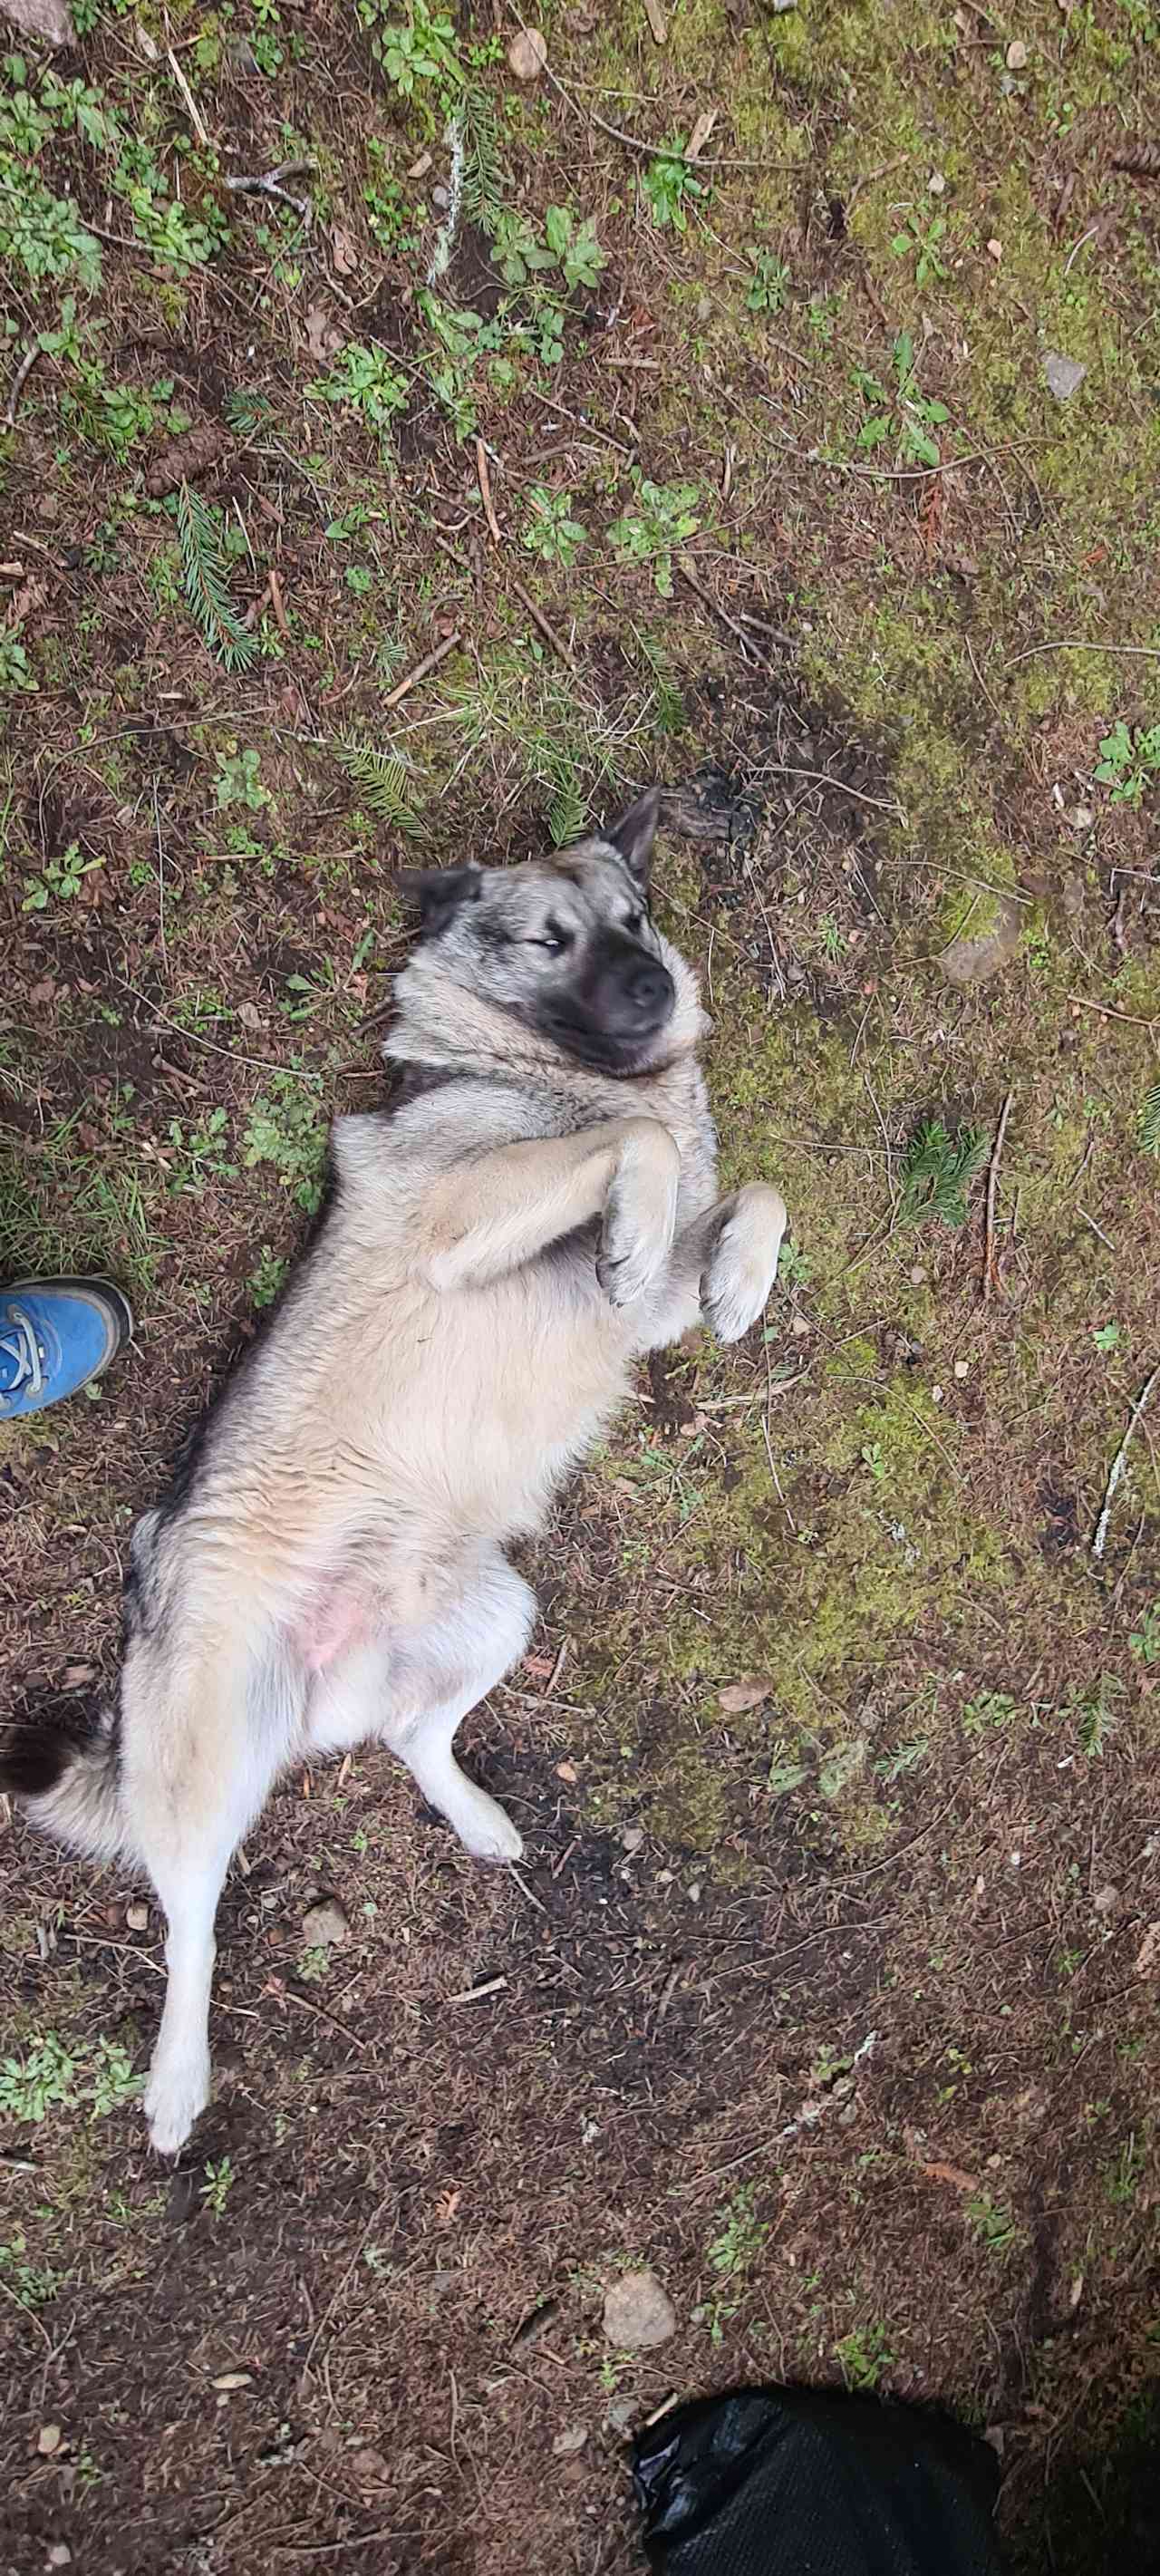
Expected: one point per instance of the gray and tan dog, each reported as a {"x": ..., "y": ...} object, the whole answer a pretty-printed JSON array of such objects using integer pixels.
[{"x": 497, "y": 1251}]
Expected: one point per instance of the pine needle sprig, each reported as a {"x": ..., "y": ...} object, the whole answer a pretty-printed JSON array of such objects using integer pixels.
[
  {"x": 937, "y": 1173},
  {"x": 1148, "y": 1123},
  {"x": 383, "y": 783},
  {"x": 205, "y": 579}
]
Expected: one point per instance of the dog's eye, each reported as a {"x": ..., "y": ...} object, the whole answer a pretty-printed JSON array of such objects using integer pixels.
[
  {"x": 635, "y": 924},
  {"x": 554, "y": 940}
]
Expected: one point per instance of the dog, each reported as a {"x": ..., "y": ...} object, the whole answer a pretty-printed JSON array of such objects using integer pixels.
[{"x": 535, "y": 1211}]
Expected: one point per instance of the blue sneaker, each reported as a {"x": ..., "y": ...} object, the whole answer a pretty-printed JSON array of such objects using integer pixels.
[{"x": 56, "y": 1334}]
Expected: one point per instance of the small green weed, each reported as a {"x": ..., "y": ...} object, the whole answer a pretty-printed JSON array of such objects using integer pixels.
[
  {"x": 665, "y": 514},
  {"x": 15, "y": 672},
  {"x": 920, "y": 239},
  {"x": 549, "y": 530},
  {"x": 937, "y": 1172},
  {"x": 363, "y": 381},
  {"x": 668, "y": 186},
  {"x": 315, "y": 1964},
  {"x": 989, "y": 1713},
  {"x": 285, "y": 1130},
  {"x": 770, "y": 283},
  {"x": 731, "y": 2255},
  {"x": 864, "y": 2356},
  {"x": 99, "y": 2077},
  {"x": 1107, "y": 1337},
  {"x": 995, "y": 2227},
  {"x": 266, "y": 1277},
  {"x": 198, "y": 1154},
  {"x": 238, "y": 781},
  {"x": 217, "y": 2186},
  {"x": 1128, "y": 763},
  {"x": 1145, "y": 1640},
  {"x": 32, "y": 2285},
  {"x": 1123, "y": 2178},
  {"x": 59, "y": 880},
  {"x": 904, "y": 414}
]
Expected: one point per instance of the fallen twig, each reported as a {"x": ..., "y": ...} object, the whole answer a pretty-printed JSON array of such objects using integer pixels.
[
  {"x": 685, "y": 569},
  {"x": 278, "y": 605},
  {"x": 1118, "y": 1464},
  {"x": 268, "y": 184},
  {"x": 484, "y": 480},
  {"x": 538, "y": 618},
  {"x": 430, "y": 662},
  {"x": 191, "y": 106},
  {"x": 257, "y": 607},
  {"x": 475, "y": 1994},
  {"x": 1083, "y": 644},
  {"x": 1108, "y": 1011},
  {"x": 992, "y": 1185},
  {"x": 19, "y": 382}
]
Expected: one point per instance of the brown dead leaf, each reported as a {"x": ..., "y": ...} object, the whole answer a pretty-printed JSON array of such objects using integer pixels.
[
  {"x": 31, "y": 595},
  {"x": 702, "y": 131},
  {"x": 953, "y": 2174},
  {"x": 1148, "y": 1954},
  {"x": 738, "y": 1696},
  {"x": 540, "y": 1667},
  {"x": 345, "y": 250}
]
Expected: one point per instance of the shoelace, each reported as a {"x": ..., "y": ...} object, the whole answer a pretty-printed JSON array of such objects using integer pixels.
[{"x": 22, "y": 1348}]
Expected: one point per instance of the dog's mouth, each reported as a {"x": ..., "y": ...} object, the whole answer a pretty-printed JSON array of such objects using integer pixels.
[{"x": 607, "y": 1049}]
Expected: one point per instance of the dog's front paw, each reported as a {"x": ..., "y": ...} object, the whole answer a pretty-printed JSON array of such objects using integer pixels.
[
  {"x": 175, "y": 2096},
  {"x": 640, "y": 1215},
  {"x": 742, "y": 1267}
]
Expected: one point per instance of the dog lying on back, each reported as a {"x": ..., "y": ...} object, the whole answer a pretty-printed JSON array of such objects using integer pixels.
[{"x": 330, "y": 1564}]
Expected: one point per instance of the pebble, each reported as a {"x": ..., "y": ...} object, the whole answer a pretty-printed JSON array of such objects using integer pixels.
[
  {"x": 137, "y": 1916},
  {"x": 621, "y": 2415},
  {"x": 1062, "y": 376},
  {"x": 48, "y": 2440},
  {"x": 1017, "y": 56},
  {"x": 527, "y": 55},
  {"x": 569, "y": 2442},
  {"x": 325, "y": 1926},
  {"x": 638, "y": 2313}
]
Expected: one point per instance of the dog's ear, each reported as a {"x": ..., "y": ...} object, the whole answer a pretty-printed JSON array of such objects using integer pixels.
[
  {"x": 635, "y": 833},
  {"x": 438, "y": 893}
]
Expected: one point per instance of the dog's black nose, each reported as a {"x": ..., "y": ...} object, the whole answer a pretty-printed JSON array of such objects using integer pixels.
[{"x": 649, "y": 988}]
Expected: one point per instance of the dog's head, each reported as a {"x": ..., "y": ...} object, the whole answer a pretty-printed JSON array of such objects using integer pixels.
[{"x": 566, "y": 946}]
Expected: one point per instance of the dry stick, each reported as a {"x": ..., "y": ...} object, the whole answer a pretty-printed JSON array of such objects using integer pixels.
[
  {"x": 1107, "y": 1011},
  {"x": 538, "y": 619},
  {"x": 484, "y": 480},
  {"x": 257, "y": 184},
  {"x": 1118, "y": 1464},
  {"x": 685, "y": 569},
  {"x": 430, "y": 662},
  {"x": 19, "y": 382},
  {"x": 1080, "y": 644},
  {"x": 278, "y": 605},
  {"x": 191, "y": 107},
  {"x": 992, "y": 1184}
]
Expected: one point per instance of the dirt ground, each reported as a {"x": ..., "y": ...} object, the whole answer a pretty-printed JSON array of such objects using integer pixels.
[{"x": 829, "y": 1989}]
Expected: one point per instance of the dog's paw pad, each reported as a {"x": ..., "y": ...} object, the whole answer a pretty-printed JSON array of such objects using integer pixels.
[{"x": 175, "y": 2097}]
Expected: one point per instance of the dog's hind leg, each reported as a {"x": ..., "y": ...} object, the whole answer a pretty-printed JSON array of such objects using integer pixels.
[
  {"x": 201, "y": 1750},
  {"x": 413, "y": 1687}
]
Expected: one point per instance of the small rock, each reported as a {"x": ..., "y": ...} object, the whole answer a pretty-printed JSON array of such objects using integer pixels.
[
  {"x": 440, "y": 200},
  {"x": 47, "y": 19},
  {"x": 937, "y": 184},
  {"x": 48, "y": 2440},
  {"x": 137, "y": 1916},
  {"x": 638, "y": 2313},
  {"x": 1106, "y": 1900},
  {"x": 973, "y": 961},
  {"x": 1062, "y": 376},
  {"x": 1017, "y": 56},
  {"x": 60, "y": 2555},
  {"x": 632, "y": 1839},
  {"x": 527, "y": 54},
  {"x": 962, "y": 1368},
  {"x": 324, "y": 1926},
  {"x": 621, "y": 2415},
  {"x": 738, "y": 1696},
  {"x": 1081, "y": 818},
  {"x": 569, "y": 2442},
  {"x": 917, "y": 1275},
  {"x": 228, "y": 2380}
]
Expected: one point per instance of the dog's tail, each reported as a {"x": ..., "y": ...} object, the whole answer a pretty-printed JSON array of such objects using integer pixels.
[{"x": 69, "y": 1778}]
